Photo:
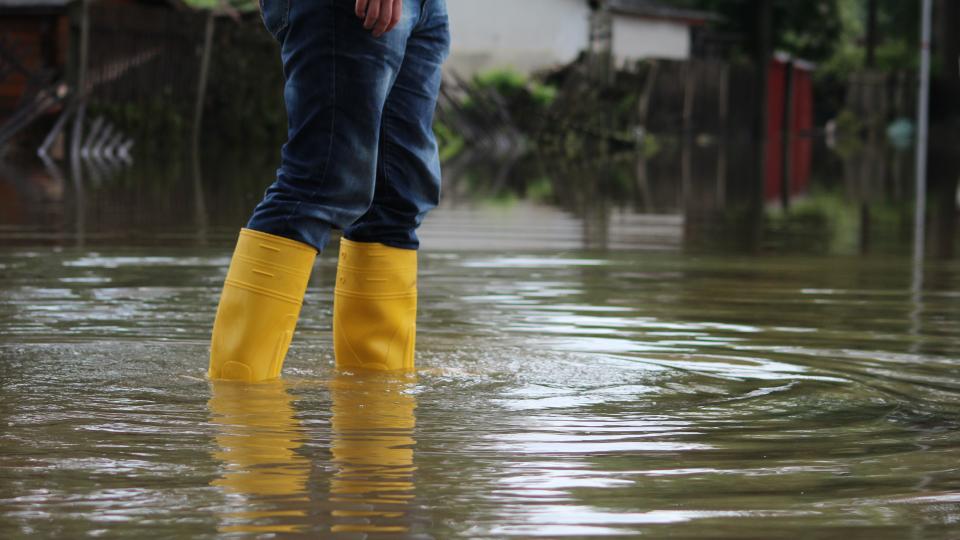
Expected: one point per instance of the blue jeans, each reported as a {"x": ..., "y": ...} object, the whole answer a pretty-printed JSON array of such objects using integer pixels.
[{"x": 360, "y": 154}]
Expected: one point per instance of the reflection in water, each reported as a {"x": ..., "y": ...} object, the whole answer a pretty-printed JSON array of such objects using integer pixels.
[
  {"x": 258, "y": 437},
  {"x": 267, "y": 475},
  {"x": 200, "y": 214},
  {"x": 698, "y": 193},
  {"x": 373, "y": 420}
]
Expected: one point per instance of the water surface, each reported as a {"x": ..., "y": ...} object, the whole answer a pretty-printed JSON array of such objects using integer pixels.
[{"x": 560, "y": 393}]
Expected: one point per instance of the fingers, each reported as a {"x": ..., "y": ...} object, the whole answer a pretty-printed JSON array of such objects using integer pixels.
[
  {"x": 360, "y": 8},
  {"x": 397, "y": 12},
  {"x": 379, "y": 16},
  {"x": 386, "y": 15},
  {"x": 373, "y": 12}
]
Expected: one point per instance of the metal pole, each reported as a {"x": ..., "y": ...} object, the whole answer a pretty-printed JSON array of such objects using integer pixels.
[{"x": 923, "y": 108}]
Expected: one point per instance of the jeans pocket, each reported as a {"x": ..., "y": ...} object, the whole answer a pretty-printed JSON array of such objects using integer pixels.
[{"x": 276, "y": 16}]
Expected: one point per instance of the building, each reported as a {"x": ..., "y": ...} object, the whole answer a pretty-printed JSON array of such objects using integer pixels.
[
  {"x": 646, "y": 29},
  {"x": 531, "y": 35}
]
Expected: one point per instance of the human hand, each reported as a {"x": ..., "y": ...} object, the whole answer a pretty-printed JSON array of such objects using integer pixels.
[{"x": 379, "y": 16}]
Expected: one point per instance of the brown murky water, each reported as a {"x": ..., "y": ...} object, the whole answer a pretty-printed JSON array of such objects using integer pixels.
[
  {"x": 569, "y": 394},
  {"x": 655, "y": 361}
]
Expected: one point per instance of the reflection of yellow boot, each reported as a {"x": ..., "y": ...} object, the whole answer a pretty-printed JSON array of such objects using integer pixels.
[
  {"x": 259, "y": 306},
  {"x": 372, "y": 447},
  {"x": 375, "y": 307},
  {"x": 258, "y": 436}
]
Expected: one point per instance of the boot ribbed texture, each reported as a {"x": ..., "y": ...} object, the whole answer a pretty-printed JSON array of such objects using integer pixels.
[
  {"x": 259, "y": 306},
  {"x": 375, "y": 307}
]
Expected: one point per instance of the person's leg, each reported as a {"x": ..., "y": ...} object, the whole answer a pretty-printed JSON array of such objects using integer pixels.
[
  {"x": 408, "y": 164},
  {"x": 375, "y": 301},
  {"x": 337, "y": 79}
]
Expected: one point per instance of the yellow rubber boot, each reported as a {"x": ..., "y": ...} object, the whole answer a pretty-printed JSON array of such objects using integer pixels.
[
  {"x": 375, "y": 307},
  {"x": 259, "y": 306}
]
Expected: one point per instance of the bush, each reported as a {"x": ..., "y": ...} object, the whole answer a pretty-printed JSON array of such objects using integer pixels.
[{"x": 525, "y": 99}]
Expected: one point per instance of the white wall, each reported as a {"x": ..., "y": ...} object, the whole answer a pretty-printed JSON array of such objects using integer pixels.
[
  {"x": 635, "y": 38},
  {"x": 530, "y": 35},
  {"x": 526, "y": 35}
]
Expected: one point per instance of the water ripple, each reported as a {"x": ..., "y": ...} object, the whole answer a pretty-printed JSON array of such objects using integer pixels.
[{"x": 566, "y": 395}]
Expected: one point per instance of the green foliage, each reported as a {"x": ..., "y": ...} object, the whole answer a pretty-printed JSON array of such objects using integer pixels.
[
  {"x": 831, "y": 216},
  {"x": 540, "y": 189},
  {"x": 543, "y": 94},
  {"x": 809, "y": 29},
  {"x": 651, "y": 145},
  {"x": 516, "y": 86},
  {"x": 831, "y": 33},
  {"x": 525, "y": 99},
  {"x": 849, "y": 126},
  {"x": 896, "y": 46},
  {"x": 450, "y": 143},
  {"x": 848, "y": 55},
  {"x": 506, "y": 81},
  {"x": 897, "y": 54}
]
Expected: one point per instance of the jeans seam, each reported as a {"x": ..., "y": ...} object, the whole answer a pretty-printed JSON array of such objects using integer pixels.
[
  {"x": 381, "y": 159},
  {"x": 286, "y": 20},
  {"x": 383, "y": 142},
  {"x": 382, "y": 151},
  {"x": 383, "y": 148},
  {"x": 389, "y": 148},
  {"x": 276, "y": 33},
  {"x": 423, "y": 8},
  {"x": 333, "y": 123}
]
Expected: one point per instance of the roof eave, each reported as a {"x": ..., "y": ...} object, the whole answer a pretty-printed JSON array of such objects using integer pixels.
[{"x": 687, "y": 20}]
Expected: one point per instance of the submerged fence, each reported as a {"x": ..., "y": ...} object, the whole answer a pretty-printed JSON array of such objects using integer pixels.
[
  {"x": 101, "y": 75},
  {"x": 148, "y": 77},
  {"x": 143, "y": 70}
]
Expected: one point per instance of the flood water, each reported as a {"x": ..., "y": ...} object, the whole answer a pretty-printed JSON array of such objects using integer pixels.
[{"x": 632, "y": 374}]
